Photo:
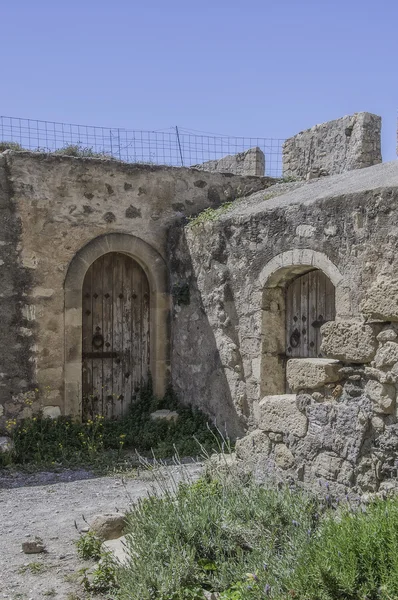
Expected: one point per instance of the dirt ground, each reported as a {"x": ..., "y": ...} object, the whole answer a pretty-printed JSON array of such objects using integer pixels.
[{"x": 48, "y": 505}]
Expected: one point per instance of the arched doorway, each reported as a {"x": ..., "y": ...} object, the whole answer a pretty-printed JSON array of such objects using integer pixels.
[
  {"x": 115, "y": 320},
  {"x": 153, "y": 276},
  {"x": 301, "y": 289},
  {"x": 310, "y": 302}
]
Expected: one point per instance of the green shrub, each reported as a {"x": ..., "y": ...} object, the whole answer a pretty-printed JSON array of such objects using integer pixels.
[
  {"x": 222, "y": 536},
  {"x": 81, "y": 151},
  {"x": 11, "y": 146},
  {"x": 250, "y": 542},
  {"x": 43, "y": 441},
  {"x": 89, "y": 546},
  {"x": 353, "y": 556}
]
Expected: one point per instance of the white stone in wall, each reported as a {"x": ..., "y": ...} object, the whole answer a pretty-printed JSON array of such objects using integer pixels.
[
  {"x": 348, "y": 341},
  {"x": 254, "y": 443},
  {"x": 382, "y": 396},
  {"x": 381, "y": 301},
  {"x": 251, "y": 162},
  {"x": 388, "y": 335},
  {"x": 52, "y": 411},
  {"x": 311, "y": 373},
  {"x": 387, "y": 355},
  {"x": 280, "y": 414},
  {"x": 283, "y": 457}
]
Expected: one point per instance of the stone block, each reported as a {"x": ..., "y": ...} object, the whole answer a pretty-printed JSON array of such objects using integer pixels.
[
  {"x": 331, "y": 467},
  {"x": 164, "y": 415},
  {"x": 352, "y": 142},
  {"x": 108, "y": 526},
  {"x": 311, "y": 373},
  {"x": 35, "y": 546},
  {"x": 53, "y": 412},
  {"x": 118, "y": 548},
  {"x": 254, "y": 443},
  {"x": 6, "y": 444},
  {"x": 381, "y": 301},
  {"x": 348, "y": 341},
  {"x": 250, "y": 162},
  {"x": 283, "y": 457},
  {"x": 387, "y": 355},
  {"x": 388, "y": 335},
  {"x": 279, "y": 414},
  {"x": 382, "y": 396}
]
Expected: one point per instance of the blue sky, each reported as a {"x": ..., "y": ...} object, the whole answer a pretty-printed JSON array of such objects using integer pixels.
[{"x": 254, "y": 68}]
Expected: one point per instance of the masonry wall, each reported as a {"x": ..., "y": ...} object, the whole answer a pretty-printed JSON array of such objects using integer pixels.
[
  {"x": 339, "y": 424},
  {"x": 352, "y": 142},
  {"x": 53, "y": 206},
  {"x": 250, "y": 162}
]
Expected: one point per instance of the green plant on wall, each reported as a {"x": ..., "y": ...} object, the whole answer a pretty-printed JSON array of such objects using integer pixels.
[{"x": 210, "y": 214}]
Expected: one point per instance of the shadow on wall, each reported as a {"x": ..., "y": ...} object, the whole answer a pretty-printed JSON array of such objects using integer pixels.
[{"x": 199, "y": 375}]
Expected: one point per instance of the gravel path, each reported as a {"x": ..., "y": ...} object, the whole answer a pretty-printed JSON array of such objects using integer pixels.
[{"x": 47, "y": 505}]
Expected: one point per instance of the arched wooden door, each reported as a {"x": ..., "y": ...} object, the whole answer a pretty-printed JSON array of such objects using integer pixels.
[
  {"x": 310, "y": 302},
  {"x": 115, "y": 334}
]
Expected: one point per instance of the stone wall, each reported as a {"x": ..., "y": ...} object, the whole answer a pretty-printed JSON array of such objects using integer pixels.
[
  {"x": 339, "y": 423},
  {"x": 352, "y": 142},
  {"x": 52, "y": 208},
  {"x": 251, "y": 162}
]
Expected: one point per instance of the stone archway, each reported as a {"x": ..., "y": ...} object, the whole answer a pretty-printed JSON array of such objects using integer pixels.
[
  {"x": 274, "y": 278},
  {"x": 155, "y": 271}
]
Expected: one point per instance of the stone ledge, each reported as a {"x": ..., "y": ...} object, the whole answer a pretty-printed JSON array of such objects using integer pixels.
[
  {"x": 311, "y": 373},
  {"x": 279, "y": 414}
]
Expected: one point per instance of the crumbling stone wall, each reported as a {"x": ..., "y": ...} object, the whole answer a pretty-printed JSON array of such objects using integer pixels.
[
  {"x": 53, "y": 206},
  {"x": 339, "y": 424},
  {"x": 352, "y": 142},
  {"x": 251, "y": 162}
]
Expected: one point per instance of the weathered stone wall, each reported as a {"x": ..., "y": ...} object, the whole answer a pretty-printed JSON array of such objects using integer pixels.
[
  {"x": 339, "y": 424},
  {"x": 352, "y": 142},
  {"x": 251, "y": 162},
  {"x": 51, "y": 208}
]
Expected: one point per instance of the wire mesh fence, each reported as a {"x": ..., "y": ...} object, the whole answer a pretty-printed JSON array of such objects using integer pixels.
[{"x": 174, "y": 146}]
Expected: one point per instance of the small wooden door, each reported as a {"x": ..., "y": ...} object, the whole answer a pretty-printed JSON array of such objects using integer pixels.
[
  {"x": 310, "y": 302},
  {"x": 115, "y": 334}
]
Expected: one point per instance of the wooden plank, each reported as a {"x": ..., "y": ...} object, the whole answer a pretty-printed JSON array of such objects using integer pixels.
[
  {"x": 136, "y": 324},
  {"x": 97, "y": 330},
  {"x": 145, "y": 328},
  {"x": 312, "y": 313},
  {"x": 289, "y": 318},
  {"x": 295, "y": 331},
  {"x": 107, "y": 363},
  {"x": 118, "y": 303},
  {"x": 321, "y": 308},
  {"x": 127, "y": 332},
  {"x": 303, "y": 317},
  {"x": 87, "y": 326}
]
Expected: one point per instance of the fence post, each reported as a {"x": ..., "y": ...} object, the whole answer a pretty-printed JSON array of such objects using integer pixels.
[{"x": 179, "y": 145}]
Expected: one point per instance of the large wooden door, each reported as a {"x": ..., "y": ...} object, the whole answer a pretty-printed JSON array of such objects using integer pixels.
[
  {"x": 115, "y": 334},
  {"x": 310, "y": 302}
]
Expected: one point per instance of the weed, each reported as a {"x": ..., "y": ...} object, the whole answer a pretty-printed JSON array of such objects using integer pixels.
[
  {"x": 10, "y": 146},
  {"x": 81, "y": 151},
  {"x": 50, "y": 593},
  {"x": 103, "y": 577},
  {"x": 210, "y": 214},
  {"x": 216, "y": 535},
  {"x": 89, "y": 546},
  {"x": 34, "y": 567},
  {"x": 102, "y": 443}
]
